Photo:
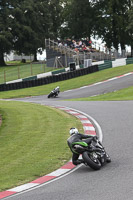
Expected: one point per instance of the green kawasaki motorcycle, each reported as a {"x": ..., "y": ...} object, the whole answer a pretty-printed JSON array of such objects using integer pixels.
[{"x": 94, "y": 154}]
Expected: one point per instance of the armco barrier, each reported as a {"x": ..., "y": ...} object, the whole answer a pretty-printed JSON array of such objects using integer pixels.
[
  {"x": 106, "y": 65},
  {"x": 29, "y": 78},
  {"x": 58, "y": 71},
  {"x": 129, "y": 61},
  {"x": 119, "y": 62},
  {"x": 48, "y": 79}
]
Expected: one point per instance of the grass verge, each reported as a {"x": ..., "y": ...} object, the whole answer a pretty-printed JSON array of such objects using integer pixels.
[
  {"x": 32, "y": 141},
  {"x": 69, "y": 84}
]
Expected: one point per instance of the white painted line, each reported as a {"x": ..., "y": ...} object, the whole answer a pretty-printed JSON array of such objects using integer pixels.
[
  {"x": 128, "y": 74},
  {"x": 86, "y": 122},
  {"x": 23, "y": 187},
  {"x": 81, "y": 116},
  {"x": 72, "y": 112},
  {"x": 111, "y": 79},
  {"x": 58, "y": 172},
  {"x": 89, "y": 128},
  {"x": 62, "y": 108},
  {"x": 68, "y": 90},
  {"x": 83, "y": 87},
  {"x": 97, "y": 83}
]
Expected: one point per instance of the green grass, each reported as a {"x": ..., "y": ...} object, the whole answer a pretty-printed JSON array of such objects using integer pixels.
[
  {"x": 32, "y": 141},
  {"x": 19, "y": 70},
  {"x": 69, "y": 84}
]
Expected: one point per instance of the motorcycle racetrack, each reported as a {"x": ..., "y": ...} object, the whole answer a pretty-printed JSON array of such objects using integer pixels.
[{"x": 113, "y": 181}]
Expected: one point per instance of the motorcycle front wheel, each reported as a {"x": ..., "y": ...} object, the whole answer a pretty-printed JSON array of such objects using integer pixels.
[
  {"x": 50, "y": 95},
  {"x": 91, "y": 161}
]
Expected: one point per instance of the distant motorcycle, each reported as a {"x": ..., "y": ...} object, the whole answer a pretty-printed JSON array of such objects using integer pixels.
[
  {"x": 93, "y": 155},
  {"x": 54, "y": 93}
]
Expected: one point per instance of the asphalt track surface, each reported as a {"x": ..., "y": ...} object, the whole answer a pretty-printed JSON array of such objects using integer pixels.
[{"x": 115, "y": 180}]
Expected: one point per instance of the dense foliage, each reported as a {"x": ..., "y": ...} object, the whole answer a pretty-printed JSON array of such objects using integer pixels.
[
  {"x": 24, "y": 24},
  {"x": 107, "y": 19}
]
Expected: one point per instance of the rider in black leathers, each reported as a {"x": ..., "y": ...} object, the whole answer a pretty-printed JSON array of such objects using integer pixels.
[{"x": 75, "y": 136}]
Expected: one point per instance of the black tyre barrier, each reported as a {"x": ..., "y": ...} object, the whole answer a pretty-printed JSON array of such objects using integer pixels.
[
  {"x": 7, "y": 87},
  {"x": 39, "y": 82},
  {"x": 74, "y": 73},
  {"x": 79, "y": 73},
  {"x": 3, "y": 87},
  {"x": 17, "y": 85},
  {"x": 30, "y": 83},
  {"x": 49, "y": 79},
  {"x": 46, "y": 80},
  {"x": 69, "y": 75},
  {"x": 90, "y": 69},
  {"x": 34, "y": 83},
  {"x": 24, "y": 84},
  {"x": 13, "y": 86},
  {"x": 64, "y": 76},
  {"x": 27, "y": 83},
  {"x": 55, "y": 78},
  {"x": 20, "y": 85},
  {"x": 43, "y": 81},
  {"x": 60, "y": 77}
]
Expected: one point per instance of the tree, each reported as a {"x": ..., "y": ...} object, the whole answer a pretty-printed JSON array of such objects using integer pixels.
[
  {"x": 56, "y": 17},
  {"x": 78, "y": 19},
  {"x": 130, "y": 27},
  {"x": 24, "y": 25},
  {"x": 6, "y": 37},
  {"x": 31, "y": 26},
  {"x": 112, "y": 22}
]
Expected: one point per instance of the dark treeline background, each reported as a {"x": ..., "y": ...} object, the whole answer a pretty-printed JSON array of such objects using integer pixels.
[{"x": 24, "y": 24}]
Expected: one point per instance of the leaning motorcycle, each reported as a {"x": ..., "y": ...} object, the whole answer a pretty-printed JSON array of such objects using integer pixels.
[
  {"x": 94, "y": 155},
  {"x": 53, "y": 93}
]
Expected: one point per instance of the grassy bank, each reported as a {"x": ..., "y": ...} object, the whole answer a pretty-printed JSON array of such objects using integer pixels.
[
  {"x": 32, "y": 141},
  {"x": 69, "y": 84}
]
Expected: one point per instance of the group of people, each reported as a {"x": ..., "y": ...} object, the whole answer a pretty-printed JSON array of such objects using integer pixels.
[{"x": 82, "y": 45}]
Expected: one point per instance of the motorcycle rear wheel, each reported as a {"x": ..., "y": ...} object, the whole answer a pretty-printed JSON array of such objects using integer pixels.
[{"x": 94, "y": 163}]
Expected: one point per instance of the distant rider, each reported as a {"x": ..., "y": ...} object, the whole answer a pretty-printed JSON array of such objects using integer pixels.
[{"x": 75, "y": 136}]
